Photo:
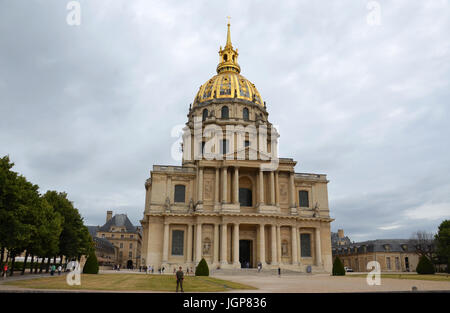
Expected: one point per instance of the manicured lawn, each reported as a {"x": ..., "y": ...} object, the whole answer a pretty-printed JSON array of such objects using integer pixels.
[
  {"x": 132, "y": 282},
  {"x": 436, "y": 277}
]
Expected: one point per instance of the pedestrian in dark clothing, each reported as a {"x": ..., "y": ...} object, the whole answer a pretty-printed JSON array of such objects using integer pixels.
[
  {"x": 279, "y": 271},
  {"x": 180, "y": 277}
]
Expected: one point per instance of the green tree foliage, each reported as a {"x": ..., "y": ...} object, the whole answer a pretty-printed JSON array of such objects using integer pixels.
[
  {"x": 338, "y": 267},
  {"x": 74, "y": 240},
  {"x": 443, "y": 243},
  {"x": 202, "y": 268},
  {"x": 91, "y": 265},
  {"x": 425, "y": 266},
  {"x": 42, "y": 226}
]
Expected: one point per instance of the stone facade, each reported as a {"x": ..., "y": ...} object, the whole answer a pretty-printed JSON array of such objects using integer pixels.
[
  {"x": 125, "y": 237},
  {"x": 228, "y": 202},
  {"x": 394, "y": 255}
]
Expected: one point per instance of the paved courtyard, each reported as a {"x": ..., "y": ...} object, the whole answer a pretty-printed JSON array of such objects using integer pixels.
[
  {"x": 326, "y": 283},
  {"x": 291, "y": 283}
]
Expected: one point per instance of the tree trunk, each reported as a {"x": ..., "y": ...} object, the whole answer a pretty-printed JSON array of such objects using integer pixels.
[
  {"x": 36, "y": 265},
  {"x": 31, "y": 264},
  {"x": 12, "y": 264},
  {"x": 42, "y": 265},
  {"x": 60, "y": 260},
  {"x": 24, "y": 263},
  {"x": 1, "y": 258},
  {"x": 48, "y": 264}
]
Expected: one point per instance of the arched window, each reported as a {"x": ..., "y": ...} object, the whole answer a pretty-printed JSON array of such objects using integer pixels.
[
  {"x": 245, "y": 196},
  {"x": 204, "y": 115},
  {"x": 180, "y": 193},
  {"x": 225, "y": 57},
  {"x": 225, "y": 112},
  {"x": 245, "y": 114}
]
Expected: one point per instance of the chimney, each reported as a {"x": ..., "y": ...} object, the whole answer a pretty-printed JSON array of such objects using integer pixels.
[
  {"x": 340, "y": 233},
  {"x": 108, "y": 215}
]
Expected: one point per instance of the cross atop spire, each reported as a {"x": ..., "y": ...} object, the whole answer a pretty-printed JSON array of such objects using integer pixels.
[
  {"x": 228, "y": 44},
  {"x": 228, "y": 55}
]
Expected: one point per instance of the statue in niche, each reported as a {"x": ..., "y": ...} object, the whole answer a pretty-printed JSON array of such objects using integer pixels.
[
  {"x": 191, "y": 205},
  {"x": 167, "y": 204},
  {"x": 316, "y": 210}
]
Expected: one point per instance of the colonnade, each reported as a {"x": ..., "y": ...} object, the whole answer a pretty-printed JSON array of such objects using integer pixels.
[
  {"x": 220, "y": 245},
  {"x": 221, "y": 185}
]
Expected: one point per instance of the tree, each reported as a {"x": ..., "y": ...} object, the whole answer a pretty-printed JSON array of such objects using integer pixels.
[
  {"x": 425, "y": 266},
  {"x": 91, "y": 265},
  {"x": 424, "y": 244},
  {"x": 338, "y": 267},
  {"x": 443, "y": 244},
  {"x": 202, "y": 268}
]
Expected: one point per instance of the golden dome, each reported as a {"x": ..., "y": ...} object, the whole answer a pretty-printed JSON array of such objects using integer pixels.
[{"x": 228, "y": 83}]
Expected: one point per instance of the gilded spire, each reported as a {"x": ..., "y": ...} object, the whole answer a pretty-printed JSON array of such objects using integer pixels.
[
  {"x": 228, "y": 56},
  {"x": 228, "y": 35}
]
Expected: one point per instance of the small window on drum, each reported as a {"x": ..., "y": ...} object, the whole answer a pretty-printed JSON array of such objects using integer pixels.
[
  {"x": 225, "y": 112},
  {"x": 180, "y": 193},
  {"x": 245, "y": 114},
  {"x": 204, "y": 114}
]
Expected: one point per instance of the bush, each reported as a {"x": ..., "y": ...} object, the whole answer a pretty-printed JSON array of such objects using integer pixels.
[
  {"x": 425, "y": 266},
  {"x": 91, "y": 266},
  {"x": 202, "y": 269},
  {"x": 338, "y": 267}
]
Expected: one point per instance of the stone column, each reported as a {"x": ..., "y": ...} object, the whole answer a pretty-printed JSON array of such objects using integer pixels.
[
  {"x": 294, "y": 245},
  {"x": 189, "y": 244},
  {"x": 216, "y": 190},
  {"x": 318, "y": 250},
  {"x": 236, "y": 244},
  {"x": 224, "y": 184},
  {"x": 279, "y": 243},
  {"x": 236, "y": 185},
  {"x": 273, "y": 239},
  {"x": 166, "y": 243},
  {"x": 216, "y": 244},
  {"x": 198, "y": 243},
  {"x": 261, "y": 187},
  {"x": 277, "y": 189},
  {"x": 262, "y": 244},
  {"x": 200, "y": 185},
  {"x": 223, "y": 245},
  {"x": 291, "y": 190},
  {"x": 272, "y": 188}
]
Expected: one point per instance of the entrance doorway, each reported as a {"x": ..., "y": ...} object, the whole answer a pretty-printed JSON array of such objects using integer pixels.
[
  {"x": 130, "y": 264},
  {"x": 245, "y": 253}
]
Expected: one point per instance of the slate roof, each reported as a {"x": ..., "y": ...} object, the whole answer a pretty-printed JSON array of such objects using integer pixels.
[
  {"x": 119, "y": 220},
  {"x": 93, "y": 230},
  {"x": 378, "y": 245}
]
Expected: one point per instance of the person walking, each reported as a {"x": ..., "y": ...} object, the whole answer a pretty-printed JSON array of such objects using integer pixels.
[
  {"x": 59, "y": 270},
  {"x": 180, "y": 277},
  {"x": 279, "y": 272},
  {"x": 5, "y": 270},
  {"x": 52, "y": 270}
]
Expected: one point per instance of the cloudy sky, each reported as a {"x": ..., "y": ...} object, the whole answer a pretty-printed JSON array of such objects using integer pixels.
[{"x": 360, "y": 96}]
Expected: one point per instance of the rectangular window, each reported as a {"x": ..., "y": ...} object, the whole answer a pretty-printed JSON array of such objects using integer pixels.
[
  {"x": 177, "y": 242},
  {"x": 131, "y": 246},
  {"x": 180, "y": 193},
  {"x": 305, "y": 243},
  {"x": 388, "y": 263},
  {"x": 303, "y": 198},
  {"x": 247, "y": 143},
  {"x": 397, "y": 263},
  {"x": 130, "y": 254},
  {"x": 121, "y": 245},
  {"x": 224, "y": 147}
]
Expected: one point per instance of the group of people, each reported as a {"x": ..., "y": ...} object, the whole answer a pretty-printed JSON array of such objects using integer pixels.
[{"x": 53, "y": 269}]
